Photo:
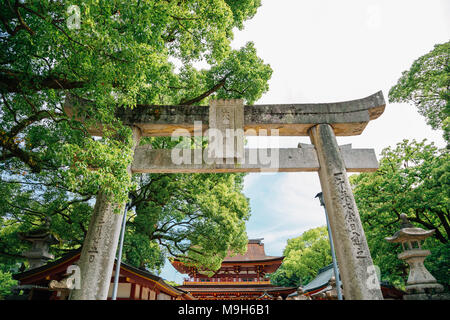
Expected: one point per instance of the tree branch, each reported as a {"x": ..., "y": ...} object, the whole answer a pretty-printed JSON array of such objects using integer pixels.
[
  {"x": 12, "y": 81},
  {"x": 22, "y": 25},
  {"x": 429, "y": 226},
  {"x": 207, "y": 93}
]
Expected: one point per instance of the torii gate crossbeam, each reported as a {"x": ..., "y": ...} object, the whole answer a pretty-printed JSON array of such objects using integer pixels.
[{"x": 322, "y": 122}]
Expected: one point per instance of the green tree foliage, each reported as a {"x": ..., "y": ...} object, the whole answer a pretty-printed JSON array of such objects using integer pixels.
[
  {"x": 196, "y": 218},
  {"x": 172, "y": 283},
  {"x": 6, "y": 283},
  {"x": 122, "y": 53},
  {"x": 413, "y": 178},
  {"x": 113, "y": 53},
  {"x": 304, "y": 256},
  {"x": 427, "y": 86}
]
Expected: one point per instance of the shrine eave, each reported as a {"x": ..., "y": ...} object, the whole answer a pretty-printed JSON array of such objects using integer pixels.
[
  {"x": 53, "y": 266},
  {"x": 275, "y": 261},
  {"x": 60, "y": 265},
  {"x": 236, "y": 289},
  {"x": 269, "y": 260}
]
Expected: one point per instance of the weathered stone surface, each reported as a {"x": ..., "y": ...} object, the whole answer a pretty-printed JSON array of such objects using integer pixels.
[
  {"x": 420, "y": 280},
  {"x": 421, "y": 283},
  {"x": 226, "y": 128},
  {"x": 147, "y": 160},
  {"x": 353, "y": 255},
  {"x": 427, "y": 296},
  {"x": 321, "y": 121},
  {"x": 41, "y": 240},
  {"x": 347, "y": 118},
  {"x": 100, "y": 245}
]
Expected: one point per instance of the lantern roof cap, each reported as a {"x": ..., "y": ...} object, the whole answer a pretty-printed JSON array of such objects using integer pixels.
[{"x": 408, "y": 232}]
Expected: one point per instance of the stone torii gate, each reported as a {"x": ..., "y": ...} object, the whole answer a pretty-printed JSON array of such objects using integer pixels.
[{"x": 322, "y": 122}]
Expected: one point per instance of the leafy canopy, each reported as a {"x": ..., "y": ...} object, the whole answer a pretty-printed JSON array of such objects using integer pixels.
[
  {"x": 122, "y": 53},
  {"x": 413, "y": 178},
  {"x": 426, "y": 85},
  {"x": 304, "y": 256},
  {"x": 195, "y": 218}
]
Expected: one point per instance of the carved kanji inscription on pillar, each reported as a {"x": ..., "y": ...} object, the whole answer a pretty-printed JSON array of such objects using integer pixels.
[
  {"x": 351, "y": 219},
  {"x": 321, "y": 121}
]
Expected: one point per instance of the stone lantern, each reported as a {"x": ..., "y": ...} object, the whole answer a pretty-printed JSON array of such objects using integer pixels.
[
  {"x": 41, "y": 240},
  {"x": 421, "y": 285}
]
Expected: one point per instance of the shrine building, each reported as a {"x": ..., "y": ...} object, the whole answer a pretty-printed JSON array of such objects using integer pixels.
[
  {"x": 47, "y": 282},
  {"x": 240, "y": 277}
]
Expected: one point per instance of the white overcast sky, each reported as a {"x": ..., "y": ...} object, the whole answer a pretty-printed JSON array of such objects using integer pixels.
[{"x": 330, "y": 51}]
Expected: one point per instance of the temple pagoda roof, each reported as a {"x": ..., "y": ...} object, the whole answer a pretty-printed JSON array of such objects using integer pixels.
[{"x": 255, "y": 253}]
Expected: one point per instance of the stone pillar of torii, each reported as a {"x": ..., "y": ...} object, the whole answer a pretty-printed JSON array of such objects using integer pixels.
[{"x": 226, "y": 123}]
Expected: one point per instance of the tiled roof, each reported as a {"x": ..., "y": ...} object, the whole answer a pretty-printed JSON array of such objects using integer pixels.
[
  {"x": 255, "y": 252},
  {"x": 49, "y": 265},
  {"x": 323, "y": 277},
  {"x": 74, "y": 255}
]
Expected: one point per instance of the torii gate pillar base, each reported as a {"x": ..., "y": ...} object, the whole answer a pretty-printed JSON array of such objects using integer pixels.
[{"x": 355, "y": 263}]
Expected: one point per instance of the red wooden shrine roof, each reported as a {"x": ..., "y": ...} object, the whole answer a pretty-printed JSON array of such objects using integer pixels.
[{"x": 255, "y": 253}]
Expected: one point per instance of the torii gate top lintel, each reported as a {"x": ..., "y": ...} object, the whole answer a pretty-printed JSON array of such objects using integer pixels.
[
  {"x": 347, "y": 118},
  {"x": 321, "y": 122}
]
